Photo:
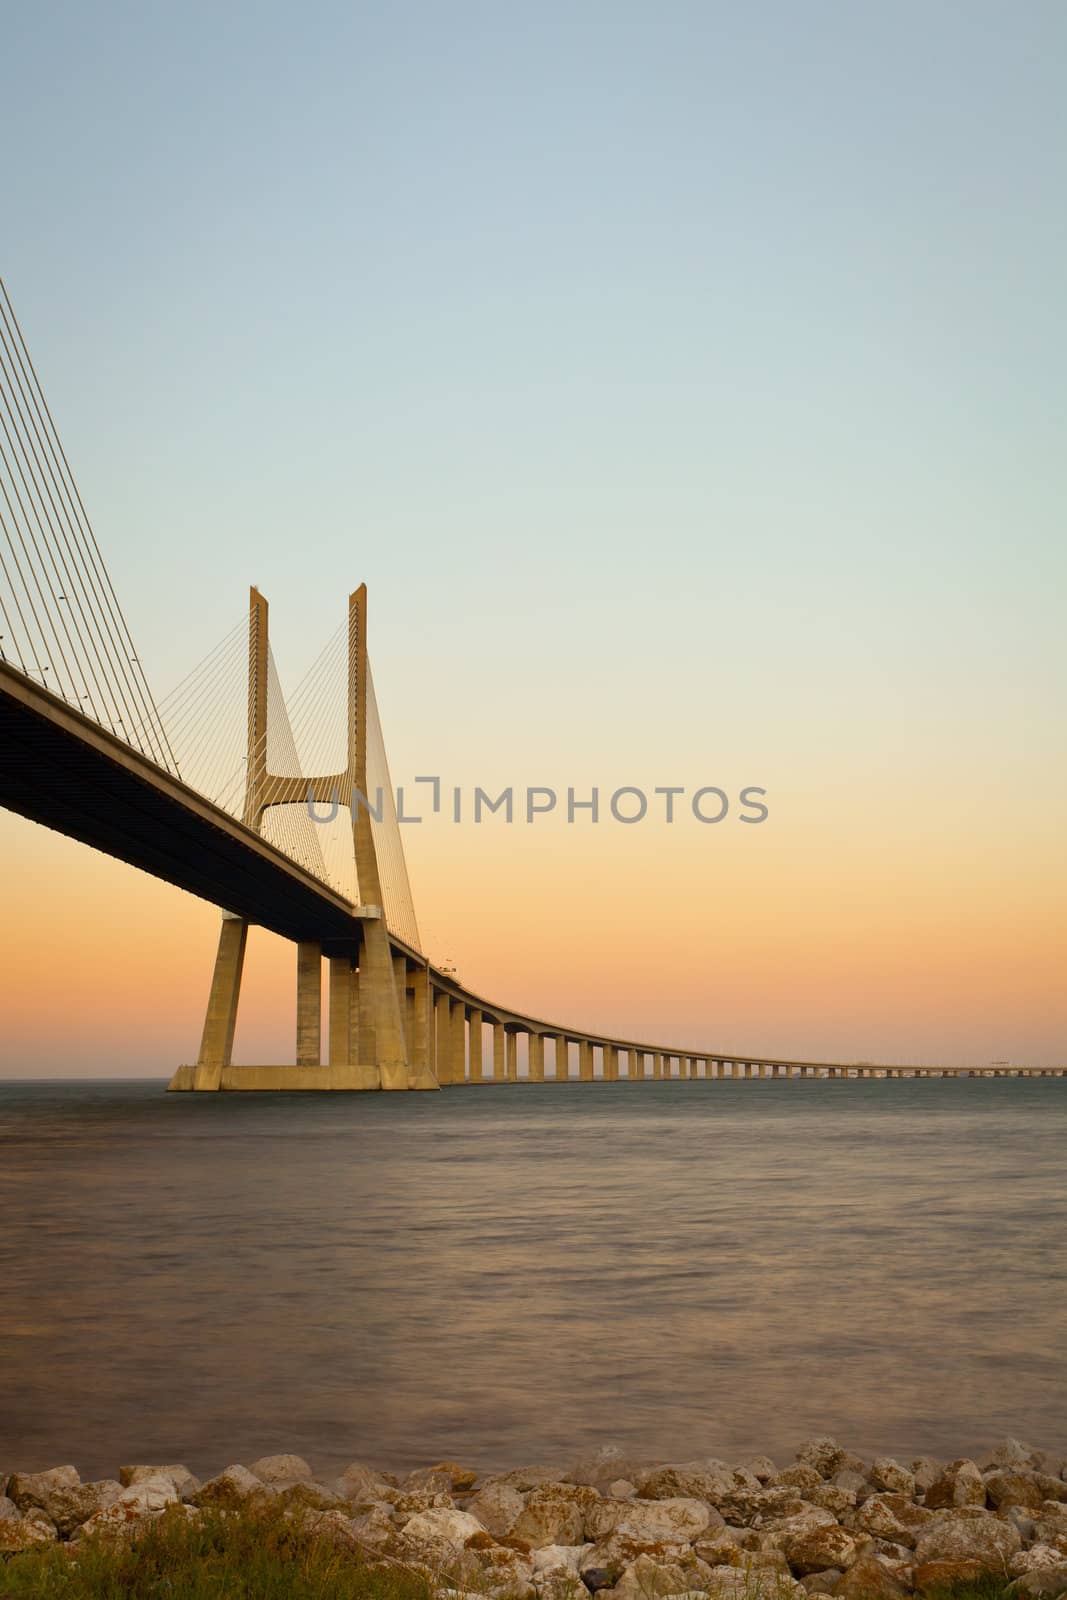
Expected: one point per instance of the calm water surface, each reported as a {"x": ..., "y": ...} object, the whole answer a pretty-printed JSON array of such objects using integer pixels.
[{"x": 511, "y": 1275}]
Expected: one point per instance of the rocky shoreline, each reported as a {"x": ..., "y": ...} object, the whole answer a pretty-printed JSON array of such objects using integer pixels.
[{"x": 829, "y": 1524}]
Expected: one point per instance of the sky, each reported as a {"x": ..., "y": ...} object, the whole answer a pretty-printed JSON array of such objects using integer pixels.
[{"x": 686, "y": 383}]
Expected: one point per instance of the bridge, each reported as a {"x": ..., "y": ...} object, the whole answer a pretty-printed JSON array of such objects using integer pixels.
[{"x": 278, "y": 811}]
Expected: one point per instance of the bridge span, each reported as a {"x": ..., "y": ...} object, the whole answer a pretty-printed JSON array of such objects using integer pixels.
[{"x": 85, "y": 750}]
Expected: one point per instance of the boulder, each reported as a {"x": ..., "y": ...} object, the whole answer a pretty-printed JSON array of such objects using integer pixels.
[
  {"x": 183, "y": 1480},
  {"x": 138, "y": 1503},
  {"x": 646, "y": 1578},
  {"x": 968, "y": 1536},
  {"x": 526, "y": 1478},
  {"x": 1010, "y": 1453},
  {"x": 960, "y": 1484},
  {"x": 281, "y": 1469},
  {"x": 869, "y": 1579},
  {"x": 20, "y": 1533},
  {"x": 695, "y": 1480},
  {"x": 824, "y": 1454},
  {"x": 496, "y": 1507},
  {"x": 308, "y": 1495},
  {"x": 1051, "y": 1520},
  {"x": 560, "y": 1585},
  {"x": 814, "y": 1548},
  {"x": 442, "y": 1527},
  {"x": 600, "y": 1469},
  {"x": 889, "y": 1476},
  {"x": 802, "y": 1476},
  {"x": 933, "y": 1577},
  {"x": 832, "y": 1497},
  {"x": 361, "y": 1485},
  {"x": 375, "y": 1528},
  {"x": 719, "y": 1547},
  {"x": 821, "y": 1582},
  {"x": 560, "y": 1558},
  {"x": 732, "y": 1583},
  {"x": 763, "y": 1468},
  {"x": 236, "y": 1486},
  {"x": 926, "y": 1471},
  {"x": 1044, "y": 1583},
  {"x": 9, "y": 1511},
  {"x": 1011, "y": 1486},
  {"x": 894, "y": 1517},
  {"x": 1036, "y": 1559},
  {"x": 555, "y": 1513},
  {"x": 461, "y": 1480},
  {"x": 65, "y": 1504},
  {"x": 855, "y": 1483},
  {"x": 31, "y": 1490},
  {"x": 596, "y": 1578},
  {"x": 680, "y": 1520},
  {"x": 429, "y": 1481}
]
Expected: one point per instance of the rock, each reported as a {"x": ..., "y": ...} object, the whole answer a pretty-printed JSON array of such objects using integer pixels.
[
  {"x": 1044, "y": 1583},
  {"x": 1052, "y": 1519},
  {"x": 731, "y": 1583},
  {"x": 1052, "y": 1488},
  {"x": 30, "y": 1490},
  {"x": 596, "y": 1578},
  {"x": 824, "y": 1454},
  {"x": 20, "y": 1533},
  {"x": 1048, "y": 1462},
  {"x": 233, "y": 1487},
  {"x": 1011, "y": 1453},
  {"x": 1009, "y": 1486},
  {"x": 555, "y": 1513},
  {"x": 427, "y": 1481},
  {"x": 960, "y": 1484},
  {"x": 442, "y": 1527},
  {"x": 832, "y": 1497},
  {"x": 680, "y": 1520},
  {"x": 501, "y": 1571},
  {"x": 560, "y": 1558},
  {"x": 560, "y": 1585},
  {"x": 968, "y": 1536},
  {"x": 893, "y": 1516},
  {"x": 926, "y": 1472},
  {"x": 800, "y": 1520},
  {"x": 855, "y": 1483},
  {"x": 9, "y": 1511},
  {"x": 888, "y": 1475},
  {"x": 763, "y": 1468},
  {"x": 622, "y": 1489},
  {"x": 1023, "y": 1521},
  {"x": 461, "y": 1479},
  {"x": 139, "y": 1502},
  {"x": 802, "y": 1476},
  {"x": 869, "y": 1579},
  {"x": 719, "y": 1547},
  {"x": 309, "y": 1495},
  {"x": 281, "y": 1469},
  {"x": 600, "y": 1469},
  {"x": 821, "y": 1582},
  {"x": 183, "y": 1480},
  {"x": 496, "y": 1507},
  {"x": 66, "y": 1505},
  {"x": 695, "y": 1480},
  {"x": 1036, "y": 1559},
  {"x": 361, "y": 1485},
  {"x": 645, "y": 1578},
  {"x": 934, "y": 1577},
  {"x": 817, "y": 1547},
  {"x": 375, "y": 1528}
]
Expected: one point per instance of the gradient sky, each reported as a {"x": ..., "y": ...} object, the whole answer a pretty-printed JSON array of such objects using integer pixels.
[{"x": 687, "y": 384}]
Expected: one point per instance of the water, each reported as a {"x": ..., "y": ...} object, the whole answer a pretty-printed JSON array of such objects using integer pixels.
[{"x": 513, "y": 1275}]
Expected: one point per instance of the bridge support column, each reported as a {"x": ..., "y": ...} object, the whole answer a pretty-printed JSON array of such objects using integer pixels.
[
  {"x": 420, "y": 1045},
  {"x": 511, "y": 1056},
  {"x": 657, "y": 1064},
  {"x": 216, "y": 1043},
  {"x": 442, "y": 1012},
  {"x": 536, "y": 1068},
  {"x": 563, "y": 1058},
  {"x": 611, "y": 1063},
  {"x": 308, "y": 1003},
  {"x": 458, "y": 1051},
  {"x": 585, "y": 1061},
  {"x": 499, "y": 1064},
  {"x": 477, "y": 1045},
  {"x": 340, "y": 1010}
]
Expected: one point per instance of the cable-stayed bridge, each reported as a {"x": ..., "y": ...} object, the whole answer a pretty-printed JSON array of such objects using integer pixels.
[{"x": 277, "y": 809}]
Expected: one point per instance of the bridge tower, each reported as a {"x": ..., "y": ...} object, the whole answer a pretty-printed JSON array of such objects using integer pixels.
[{"x": 369, "y": 1018}]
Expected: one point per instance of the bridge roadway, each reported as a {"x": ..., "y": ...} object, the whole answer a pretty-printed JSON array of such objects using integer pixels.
[{"x": 61, "y": 769}]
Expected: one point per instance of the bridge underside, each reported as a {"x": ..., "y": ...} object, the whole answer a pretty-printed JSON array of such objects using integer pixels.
[{"x": 60, "y": 769}]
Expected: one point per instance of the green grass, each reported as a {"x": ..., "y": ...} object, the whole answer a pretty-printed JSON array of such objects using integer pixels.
[{"x": 261, "y": 1555}]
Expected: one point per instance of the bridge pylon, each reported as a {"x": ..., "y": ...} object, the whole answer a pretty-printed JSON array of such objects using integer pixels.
[{"x": 375, "y": 1023}]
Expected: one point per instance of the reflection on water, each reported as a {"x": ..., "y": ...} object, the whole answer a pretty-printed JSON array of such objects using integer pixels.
[{"x": 509, "y": 1275}]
